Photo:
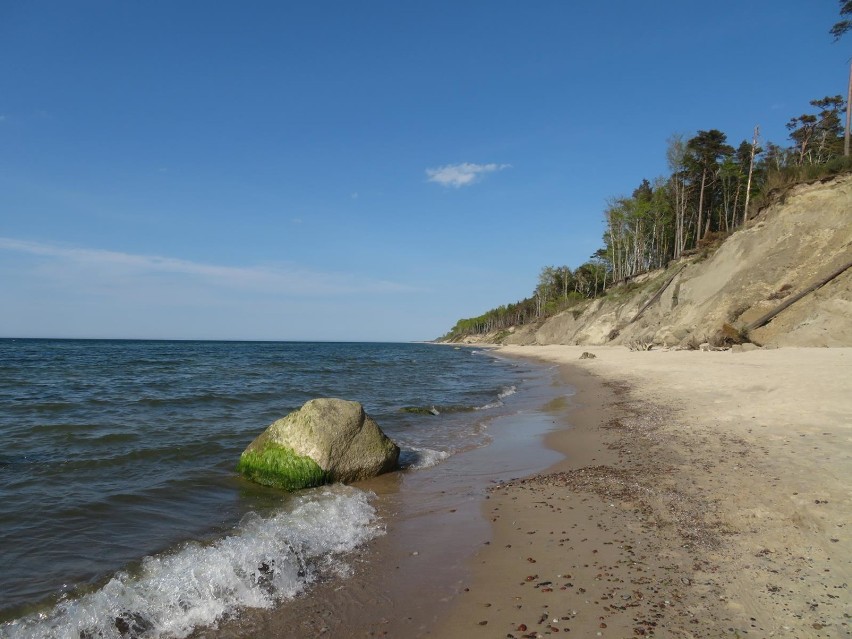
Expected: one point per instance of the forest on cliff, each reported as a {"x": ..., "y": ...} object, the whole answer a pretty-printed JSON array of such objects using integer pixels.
[{"x": 712, "y": 189}]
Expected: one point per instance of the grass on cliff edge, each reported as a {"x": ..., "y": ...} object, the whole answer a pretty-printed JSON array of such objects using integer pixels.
[{"x": 280, "y": 467}]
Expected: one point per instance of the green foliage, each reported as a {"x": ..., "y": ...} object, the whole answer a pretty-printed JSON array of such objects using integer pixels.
[
  {"x": 845, "y": 24},
  {"x": 497, "y": 319},
  {"x": 706, "y": 149},
  {"x": 701, "y": 202},
  {"x": 280, "y": 467},
  {"x": 835, "y": 166},
  {"x": 779, "y": 182},
  {"x": 818, "y": 136}
]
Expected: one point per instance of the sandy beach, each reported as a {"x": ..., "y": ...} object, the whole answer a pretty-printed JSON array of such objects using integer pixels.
[
  {"x": 661, "y": 493},
  {"x": 703, "y": 494}
]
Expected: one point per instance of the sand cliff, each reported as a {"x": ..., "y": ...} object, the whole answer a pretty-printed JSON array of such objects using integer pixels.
[{"x": 788, "y": 246}]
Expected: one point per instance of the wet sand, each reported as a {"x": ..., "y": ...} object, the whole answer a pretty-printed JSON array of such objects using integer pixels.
[
  {"x": 703, "y": 495},
  {"x": 677, "y": 494},
  {"x": 405, "y": 582}
]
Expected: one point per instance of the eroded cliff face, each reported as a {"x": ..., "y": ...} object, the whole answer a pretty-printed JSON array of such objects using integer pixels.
[{"x": 786, "y": 248}]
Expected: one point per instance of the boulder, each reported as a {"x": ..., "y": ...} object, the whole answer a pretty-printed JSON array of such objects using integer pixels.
[{"x": 325, "y": 441}]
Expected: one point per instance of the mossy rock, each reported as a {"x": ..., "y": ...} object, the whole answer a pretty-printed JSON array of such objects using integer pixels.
[
  {"x": 281, "y": 467},
  {"x": 325, "y": 441}
]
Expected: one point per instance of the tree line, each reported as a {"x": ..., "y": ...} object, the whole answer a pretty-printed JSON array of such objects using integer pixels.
[{"x": 711, "y": 190}]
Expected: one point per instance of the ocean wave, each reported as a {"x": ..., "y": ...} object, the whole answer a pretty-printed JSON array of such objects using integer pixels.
[
  {"x": 204, "y": 398},
  {"x": 265, "y": 560},
  {"x": 439, "y": 409},
  {"x": 511, "y": 390},
  {"x": 420, "y": 410},
  {"x": 503, "y": 394},
  {"x": 416, "y": 458}
]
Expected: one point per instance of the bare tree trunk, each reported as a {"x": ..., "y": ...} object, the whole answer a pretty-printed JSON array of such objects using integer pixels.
[
  {"x": 615, "y": 245},
  {"x": 750, "y": 170},
  {"x": 848, "y": 114},
  {"x": 736, "y": 202},
  {"x": 637, "y": 249},
  {"x": 805, "y": 141},
  {"x": 678, "y": 226},
  {"x": 700, "y": 206},
  {"x": 681, "y": 221},
  {"x": 795, "y": 298}
]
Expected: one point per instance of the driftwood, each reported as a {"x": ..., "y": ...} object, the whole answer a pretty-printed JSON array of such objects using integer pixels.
[
  {"x": 795, "y": 298},
  {"x": 656, "y": 295}
]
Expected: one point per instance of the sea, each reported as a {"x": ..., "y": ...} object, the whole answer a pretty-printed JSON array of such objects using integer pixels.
[{"x": 121, "y": 514}]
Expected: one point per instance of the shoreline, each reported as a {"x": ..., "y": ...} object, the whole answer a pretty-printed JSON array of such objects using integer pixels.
[
  {"x": 668, "y": 494},
  {"x": 687, "y": 505},
  {"x": 405, "y": 582}
]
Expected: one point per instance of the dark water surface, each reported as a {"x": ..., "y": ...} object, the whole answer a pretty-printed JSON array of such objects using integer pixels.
[{"x": 120, "y": 512}]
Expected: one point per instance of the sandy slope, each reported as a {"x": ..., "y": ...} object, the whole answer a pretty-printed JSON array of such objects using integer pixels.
[
  {"x": 786, "y": 248},
  {"x": 705, "y": 494}
]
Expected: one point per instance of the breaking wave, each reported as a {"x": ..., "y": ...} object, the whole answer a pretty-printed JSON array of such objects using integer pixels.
[
  {"x": 264, "y": 560},
  {"x": 438, "y": 409},
  {"x": 506, "y": 392},
  {"x": 415, "y": 458}
]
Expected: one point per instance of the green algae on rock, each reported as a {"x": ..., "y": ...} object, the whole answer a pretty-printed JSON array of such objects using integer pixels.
[
  {"x": 280, "y": 467},
  {"x": 325, "y": 441}
]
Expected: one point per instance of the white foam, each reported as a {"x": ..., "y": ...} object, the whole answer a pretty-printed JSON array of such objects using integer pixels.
[
  {"x": 511, "y": 390},
  {"x": 496, "y": 404},
  {"x": 503, "y": 394},
  {"x": 416, "y": 458},
  {"x": 265, "y": 560}
]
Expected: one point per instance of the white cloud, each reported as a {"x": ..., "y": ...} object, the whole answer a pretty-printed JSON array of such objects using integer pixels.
[
  {"x": 464, "y": 174},
  {"x": 119, "y": 268}
]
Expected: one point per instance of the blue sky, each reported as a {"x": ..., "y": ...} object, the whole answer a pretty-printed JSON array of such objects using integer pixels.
[{"x": 353, "y": 170}]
